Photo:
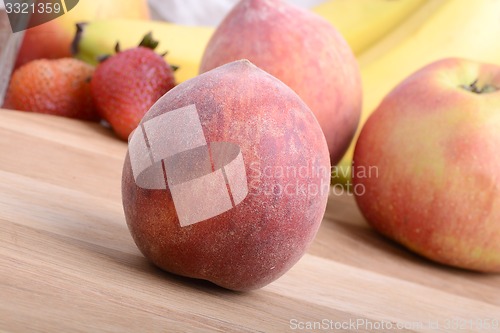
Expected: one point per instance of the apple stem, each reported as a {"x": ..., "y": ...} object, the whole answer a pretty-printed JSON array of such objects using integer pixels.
[{"x": 473, "y": 87}]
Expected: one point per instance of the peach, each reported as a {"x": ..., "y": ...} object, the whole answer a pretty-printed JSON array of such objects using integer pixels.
[
  {"x": 305, "y": 52},
  {"x": 226, "y": 178}
]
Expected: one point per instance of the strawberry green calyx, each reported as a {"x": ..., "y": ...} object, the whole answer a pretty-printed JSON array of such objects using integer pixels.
[
  {"x": 148, "y": 41},
  {"x": 151, "y": 43},
  {"x": 102, "y": 58}
]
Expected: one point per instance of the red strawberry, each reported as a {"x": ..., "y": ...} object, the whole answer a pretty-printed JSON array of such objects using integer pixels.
[
  {"x": 59, "y": 86},
  {"x": 125, "y": 85}
]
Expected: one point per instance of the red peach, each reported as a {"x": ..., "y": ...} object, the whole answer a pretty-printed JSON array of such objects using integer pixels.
[
  {"x": 305, "y": 52},
  {"x": 278, "y": 191}
]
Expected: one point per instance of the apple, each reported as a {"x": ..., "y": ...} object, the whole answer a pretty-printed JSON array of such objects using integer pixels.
[
  {"x": 53, "y": 39},
  {"x": 226, "y": 178},
  {"x": 305, "y": 52},
  {"x": 427, "y": 164}
]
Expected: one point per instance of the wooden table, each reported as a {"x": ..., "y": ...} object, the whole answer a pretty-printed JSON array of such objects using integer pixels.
[{"x": 69, "y": 264}]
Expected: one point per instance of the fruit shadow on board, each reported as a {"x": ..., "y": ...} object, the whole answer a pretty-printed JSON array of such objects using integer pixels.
[{"x": 336, "y": 235}]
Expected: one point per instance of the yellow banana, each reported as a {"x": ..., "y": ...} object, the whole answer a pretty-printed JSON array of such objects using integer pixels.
[
  {"x": 363, "y": 22},
  {"x": 402, "y": 32},
  {"x": 185, "y": 44},
  {"x": 457, "y": 28}
]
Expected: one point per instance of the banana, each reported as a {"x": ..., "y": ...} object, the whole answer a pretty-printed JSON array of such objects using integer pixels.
[
  {"x": 456, "y": 28},
  {"x": 184, "y": 44},
  {"x": 403, "y": 31},
  {"x": 363, "y": 22}
]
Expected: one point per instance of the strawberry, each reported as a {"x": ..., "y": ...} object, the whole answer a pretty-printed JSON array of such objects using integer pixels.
[
  {"x": 127, "y": 84},
  {"x": 58, "y": 87}
]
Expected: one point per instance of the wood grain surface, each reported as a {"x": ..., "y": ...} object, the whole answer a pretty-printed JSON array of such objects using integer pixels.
[{"x": 69, "y": 264}]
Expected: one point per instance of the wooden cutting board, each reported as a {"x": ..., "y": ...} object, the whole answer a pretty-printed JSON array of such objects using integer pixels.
[{"x": 69, "y": 264}]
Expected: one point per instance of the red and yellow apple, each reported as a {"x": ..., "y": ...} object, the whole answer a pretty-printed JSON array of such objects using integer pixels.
[
  {"x": 53, "y": 39},
  {"x": 427, "y": 164},
  {"x": 305, "y": 52},
  {"x": 279, "y": 188}
]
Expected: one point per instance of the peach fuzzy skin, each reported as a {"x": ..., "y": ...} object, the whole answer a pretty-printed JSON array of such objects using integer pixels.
[
  {"x": 261, "y": 238},
  {"x": 305, "y": 52},
  {"x": 53, "y": 39},
  {"x": 436, "y": 147}
]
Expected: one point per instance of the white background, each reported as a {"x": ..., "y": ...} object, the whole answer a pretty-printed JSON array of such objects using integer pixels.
[{"x": 202, "y": 12}]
